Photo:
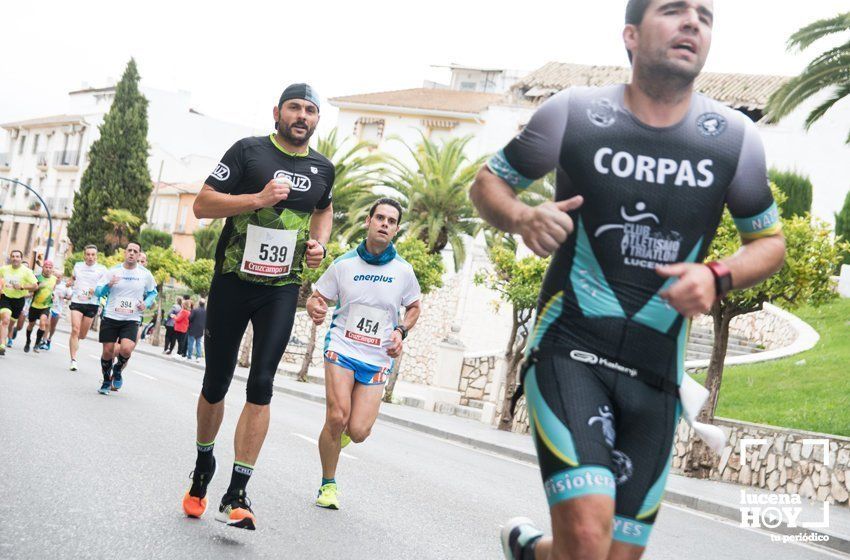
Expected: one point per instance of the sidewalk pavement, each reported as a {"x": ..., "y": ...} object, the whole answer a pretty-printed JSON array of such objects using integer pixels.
[{"x": 714, "y": 498}]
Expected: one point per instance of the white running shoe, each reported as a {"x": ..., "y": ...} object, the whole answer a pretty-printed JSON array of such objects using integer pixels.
[{"x": 73, "y": 365}]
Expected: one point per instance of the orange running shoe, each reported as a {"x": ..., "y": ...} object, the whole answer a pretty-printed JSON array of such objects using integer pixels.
[
  {"x": 194, "y": 506},
  {"x": 236, "y": 511}
]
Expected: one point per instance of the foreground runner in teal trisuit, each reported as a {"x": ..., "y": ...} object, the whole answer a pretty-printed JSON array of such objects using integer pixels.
[{"x": 644, "y": 171}]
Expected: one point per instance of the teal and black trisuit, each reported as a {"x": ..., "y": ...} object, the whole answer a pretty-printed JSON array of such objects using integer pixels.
[{"x": 607, "y": 353}]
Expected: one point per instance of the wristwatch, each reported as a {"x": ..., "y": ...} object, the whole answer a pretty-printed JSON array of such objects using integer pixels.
[
  {"x": 403, "y": 330},
  {"x": 722, "y": 277}
]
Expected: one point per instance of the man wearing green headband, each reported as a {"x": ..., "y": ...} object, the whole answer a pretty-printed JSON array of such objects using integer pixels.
[{"x": 276, "y": 195}]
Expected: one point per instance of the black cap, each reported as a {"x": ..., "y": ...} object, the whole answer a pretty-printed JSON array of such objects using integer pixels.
[{"x": 299, "y": 91}]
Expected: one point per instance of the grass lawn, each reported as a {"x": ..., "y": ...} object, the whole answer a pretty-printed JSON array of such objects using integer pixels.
[{"x": 812, "y": 396}]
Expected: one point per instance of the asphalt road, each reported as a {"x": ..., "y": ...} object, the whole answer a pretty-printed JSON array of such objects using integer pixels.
[{"x": 89, "y": 476}]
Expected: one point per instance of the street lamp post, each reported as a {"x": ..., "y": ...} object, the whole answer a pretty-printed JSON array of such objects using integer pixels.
[{"x": 46, "y": 209}]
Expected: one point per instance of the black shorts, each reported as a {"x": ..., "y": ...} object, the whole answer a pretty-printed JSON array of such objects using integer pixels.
[
  {"x": 89, "y": 310},
  {"x": 113, "y": 331},
  {"x": 271, "y": 311},
  {"x": 600, "y": 431},
  {"x": 35, "y": 313},
  {"x": 15, "y": 305}
]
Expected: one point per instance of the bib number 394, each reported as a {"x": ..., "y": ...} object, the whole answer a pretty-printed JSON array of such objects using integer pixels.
[
  {"x": 125, "y": 306},
  {"x": 365, "y": 324},
  {"x": 268, "y": 252}
]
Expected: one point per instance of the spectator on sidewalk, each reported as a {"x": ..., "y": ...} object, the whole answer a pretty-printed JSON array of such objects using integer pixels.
[
  {"x": 170, "y": 338},
  {"x": 197, "y": 324},
  {"x": 181, "y": 326}
]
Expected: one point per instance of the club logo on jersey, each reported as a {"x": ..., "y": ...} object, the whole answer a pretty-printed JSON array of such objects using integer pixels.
[
  {"x": 623, "y": 468},
  {"x": 711, "y": 124},
  {"x": 221, "y": 172},
  {"x": 299, "y": 182},
  {"x": 602, "y": 113},
  {"x": 654, "y": 170},
  {"x": 644, "y": 245},
  {"x": 314, "y": 169},
  {"x": 606, "y": 419}
]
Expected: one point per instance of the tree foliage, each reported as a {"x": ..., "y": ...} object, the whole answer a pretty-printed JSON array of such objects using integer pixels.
[
  {"x": 828, "y": 71},
  {"x": 428, "y": 267},
  {"x": 842, "y": 226},
  {"x": 434, "y": 193},
  {"x": 797, "y": 190},
  {"x": 123, "y": 224},
  {"x": 117, "y": 174},
  {"x": 198, "y": 275},
  {"x": 517, "y": 280},
  {"x": 151, "y": 237},
  {"x": 206, "y": 239},
  {"x": 805, "y": 278},
  {"x": 356, "y": 175}
]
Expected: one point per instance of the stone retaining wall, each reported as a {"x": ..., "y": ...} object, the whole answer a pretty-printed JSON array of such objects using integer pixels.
[
  {"x": 479, "y": 378},
  {"x": 786, "y": 464},
  {"x": 761, "y": 327}
]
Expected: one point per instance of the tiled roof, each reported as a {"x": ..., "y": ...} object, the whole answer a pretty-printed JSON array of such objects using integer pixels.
[
  {"x": 42, "y": 121},
  {"x": 749, "y": 91},
  {"x": 425, "y": 98}
]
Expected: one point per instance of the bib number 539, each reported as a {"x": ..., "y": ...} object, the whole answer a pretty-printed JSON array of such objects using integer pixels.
[
  {"x": 273, "y": 253},
  {"x": 268, "y": 251}
]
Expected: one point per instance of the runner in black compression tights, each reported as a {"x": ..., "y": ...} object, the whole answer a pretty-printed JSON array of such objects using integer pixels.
[
  {"x": 643, "y": 173},
  {"x": 276, "y": 195}
]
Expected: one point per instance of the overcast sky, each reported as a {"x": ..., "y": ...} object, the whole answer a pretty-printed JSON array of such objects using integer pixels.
[{"x": 235, "y": 57}]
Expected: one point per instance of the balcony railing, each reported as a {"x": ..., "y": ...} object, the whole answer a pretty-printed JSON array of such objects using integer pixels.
[
  {"x": 41, "y": 159},
  {"x": 67, "y": 158}
]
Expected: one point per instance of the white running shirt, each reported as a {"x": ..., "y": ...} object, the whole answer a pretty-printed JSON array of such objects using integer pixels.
[
  {"x": 369, "y": 300},
  {"x": 85, "y": 282},
  {"x": 60, "y": 292},
  {"x": 135, "y": 285}
]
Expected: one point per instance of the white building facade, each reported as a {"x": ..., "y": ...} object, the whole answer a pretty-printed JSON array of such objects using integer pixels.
[{"x": 50, "y": 154}]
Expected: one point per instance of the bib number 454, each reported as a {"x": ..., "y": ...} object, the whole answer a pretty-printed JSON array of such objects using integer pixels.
[{"x": 367, "y": 326}]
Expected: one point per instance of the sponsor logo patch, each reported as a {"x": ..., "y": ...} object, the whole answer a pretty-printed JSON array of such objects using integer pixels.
[
  {"x": 221, "y": 172},
  {"x": 299, "y": 182}
]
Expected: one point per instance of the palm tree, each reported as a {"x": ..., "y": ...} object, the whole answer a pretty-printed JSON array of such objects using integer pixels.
[
  {"x": 828, "y": 71},
  {"x": 124, "y": 223},
  {"x": 356, "y": 168},
  {"x": 435, "y": 194}
]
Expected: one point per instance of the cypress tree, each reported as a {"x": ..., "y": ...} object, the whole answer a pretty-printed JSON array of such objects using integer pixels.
[
  {"x": 842, "y": 224},
  {"x": 797, "y": 189},
  {"x": 117, "y": 175}
]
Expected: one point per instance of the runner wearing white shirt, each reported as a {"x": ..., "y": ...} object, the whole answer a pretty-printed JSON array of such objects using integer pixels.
[
  {"x": 84, "y": 302},
  {"x": 129, "y": 290},
  {"x": 370, "y": 285},
  {"x": 61, "y": 293}
]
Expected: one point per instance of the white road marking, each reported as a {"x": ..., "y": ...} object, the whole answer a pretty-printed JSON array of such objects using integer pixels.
[
  {"x": 316, "y": 443},
  {"x": 725, "y": 521},
  {"x": 60, "y": 345},
  {"x": 145, "y": 375}
]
